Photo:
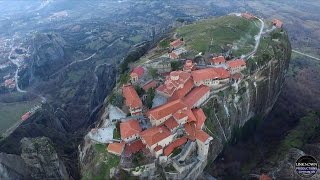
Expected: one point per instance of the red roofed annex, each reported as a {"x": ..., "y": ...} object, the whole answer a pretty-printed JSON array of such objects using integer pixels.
[
  {"x": 130, "y": 130},
  {"x": 236, "y": 66},
  {"x": 277, "y": 23},
  {"x": 210, "y": 76},
  {"x": 176, "y": 43},
  {"x": 132, "y": 99},
  {"x": 136, "y": 74}
]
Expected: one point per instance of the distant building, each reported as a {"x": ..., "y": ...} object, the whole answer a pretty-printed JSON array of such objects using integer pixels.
[
  {"x": 189, "y": 66},
  {"x": 236, "y": 66},
  {"x": 247, "y": 15},
  {"x": 25, "y": 116},
  {"x": 277, "y": 23},
  {"x": 132, "y": 99},
  {"x": 149, "y": 85},
  {"x": 136, "y": 74},
  {"x": 197, "y": 96},
  {"x": 116, "y": 148},
  {"x": 173, "y": 55},
  {"x": 218, "y": 60},
  {"x": 210, "y": 76},
  {"x": 265, "y": 177},
  {"x": 10, "y": 83},
  {"x": 236, "y": 77},
  {"x": 176, "y": 44},
  {"x": 130, "y": 130},
  {"x": 156, "y": 138}
]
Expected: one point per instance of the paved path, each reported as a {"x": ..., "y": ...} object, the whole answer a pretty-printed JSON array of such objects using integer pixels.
[
  {"x": 258, "y": 37},
  {"x": 16, "y": 77},
  {"x": 306, "y": 55}
]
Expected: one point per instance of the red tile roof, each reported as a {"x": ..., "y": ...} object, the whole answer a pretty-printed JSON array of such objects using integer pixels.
[
  {"x": 236, "y": 76},
  {"x": 223, "y": 73},
  {"x": 131, "y": 97},
  {"x": 173, "y": 55},
  {"x": 138, "y": 71},
  {"x": 202, "y": 136},
  {"x": 210, "y": 73},
  {"x": 218, "y": 60},
  {"x": 236, "y": 63},
  {"x": 158, "y": 148},
  {"x": 154, "y": 135},
  {"x": 129, "y": 128},
  {"x": 150, "y": 84},
  {"x": 184, "y": 113},
  {"x": 265, "y": 177},
  {"x": 176, "y": 43},
  {"x": 177, "y": 143},
  {"x": 25, "y": 116},
  {"x": 116, "y": 148},
  {"x": 174, "y": 82},
  {"x": 180, "y": 93},
  {"x": 247, "y": 15},
  {"x": 171, "y": 123},
  {"x": 190, "y": 129},
  {"x": 194, "y": 96},
  {"x": 277, "y": 23},
  {"x": 134, "y": 147},
  {"x": 200, "y": 116},
  {"x": 166, "y": 109}
]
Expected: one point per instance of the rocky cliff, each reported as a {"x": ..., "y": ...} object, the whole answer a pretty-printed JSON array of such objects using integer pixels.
[
  {"x": 237, "y": 111},
  {"x": 64, "y": 118},
  {"x": 38, "y": 160}
]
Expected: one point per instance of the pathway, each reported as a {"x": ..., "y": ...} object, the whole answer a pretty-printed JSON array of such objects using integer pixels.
[{"x": 306, "y": 55}]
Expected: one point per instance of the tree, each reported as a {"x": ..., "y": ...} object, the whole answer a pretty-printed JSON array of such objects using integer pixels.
[
  {"x": 150, "y": 97},
  {"x": 139, "y": 90},
  {"x": 124, "y": 78},
  {"x": 153, "y": 72},
  {"x": 175, "y": 65},
  {"x": 116, "y": 99}
]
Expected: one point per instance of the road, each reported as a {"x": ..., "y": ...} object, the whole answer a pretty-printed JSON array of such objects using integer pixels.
[
  {"x": 16, "y": 77},
  {"x": 306, "y": 55},
  {"x": 74, "y": 62},
  {"x": 257, "y": 38}
]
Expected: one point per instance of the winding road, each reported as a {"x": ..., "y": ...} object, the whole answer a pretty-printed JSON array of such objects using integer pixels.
[
  {"x": 16, "y": 77},
  {"x": 257, "y": 38}
]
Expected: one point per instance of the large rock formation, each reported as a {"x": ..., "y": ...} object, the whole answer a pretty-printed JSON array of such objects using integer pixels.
[
  {"x": 41, "y": 159},
  {"x": 13, "y": 167},
  {"x": 38, "y": 160},
  {"x": 48, "y": 54}
]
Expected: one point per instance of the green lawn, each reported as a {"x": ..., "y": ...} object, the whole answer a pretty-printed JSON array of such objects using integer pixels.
[
  {"x": 10, "y": 113},
  {"x": 103, "y": 162},
  {"x": 209, "y": 35}
]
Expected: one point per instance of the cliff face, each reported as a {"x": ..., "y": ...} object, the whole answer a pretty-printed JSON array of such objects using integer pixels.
[
  {"x": 241, "y": 107},
  {"x": 38, "y": 160},
  {"x": 65, "y": 120}
]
